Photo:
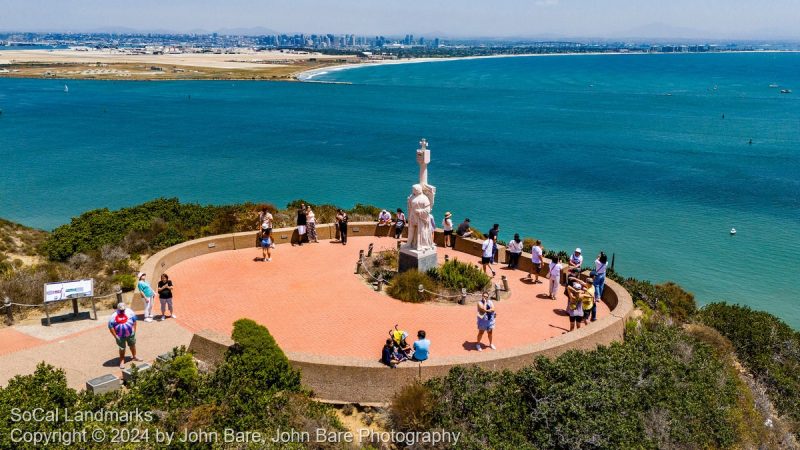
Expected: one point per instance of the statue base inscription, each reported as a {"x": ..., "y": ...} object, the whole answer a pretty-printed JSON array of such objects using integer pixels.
[{"x": 420, "y": 260}]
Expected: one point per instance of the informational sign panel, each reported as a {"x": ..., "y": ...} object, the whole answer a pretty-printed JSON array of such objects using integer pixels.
[{"x": 65, "y": 290}]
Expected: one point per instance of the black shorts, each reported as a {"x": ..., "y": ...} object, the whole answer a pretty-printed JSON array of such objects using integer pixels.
[
  {"x": 486, "y": 260},
  {"x": 448, "y": 232},
  {"x": 575, "y": 318},
  {"x": 587, "y": 313}
]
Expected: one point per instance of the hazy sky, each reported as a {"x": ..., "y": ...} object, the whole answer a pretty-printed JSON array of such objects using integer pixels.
[{"x": 579, "y": 18}]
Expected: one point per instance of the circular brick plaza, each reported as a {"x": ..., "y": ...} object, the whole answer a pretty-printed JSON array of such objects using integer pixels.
[{"x": 313, "y": 303}]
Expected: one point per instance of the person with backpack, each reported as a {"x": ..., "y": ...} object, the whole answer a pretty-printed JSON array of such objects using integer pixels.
[
  {"x": 536, "y": 260},
  {"x": 399, "y": 223}
]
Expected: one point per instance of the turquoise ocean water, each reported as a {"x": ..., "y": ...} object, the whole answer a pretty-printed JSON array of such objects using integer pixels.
[{"x": 629, "y": 154}]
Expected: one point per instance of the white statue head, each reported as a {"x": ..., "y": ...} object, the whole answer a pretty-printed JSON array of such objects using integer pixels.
[{"x": 416, "y": 189}]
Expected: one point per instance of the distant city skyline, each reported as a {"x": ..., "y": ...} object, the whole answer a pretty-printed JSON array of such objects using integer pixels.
[{"x": 692, "y": 19}]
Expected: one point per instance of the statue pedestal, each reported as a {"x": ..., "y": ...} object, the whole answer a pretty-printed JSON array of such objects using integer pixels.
[{"x": 415, "y": 259}]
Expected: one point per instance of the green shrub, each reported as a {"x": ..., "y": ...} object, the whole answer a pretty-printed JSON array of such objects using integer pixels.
[
  {"x": 405, "y": 286},
  {"x": 660, "y": 389},
  {"x": 669, "y": 299},
  {"x": 412, "y": 408},
  {"x": 767, "y": 347},
  {"x": 455, "y": 274},
  {"x": 126, "y": 281},
  {"x": 365, "y": 210}
]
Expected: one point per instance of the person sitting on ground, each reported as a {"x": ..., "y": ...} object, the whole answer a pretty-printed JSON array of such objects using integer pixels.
[
  {"x": 384, "y": 218},
  {"x": 575, "y": 261},
  {"x": 464, "y": 230},
  {"x": 488, "y": 250},
  {"x": 387, "y": 354},
  {"x": 399, "y": 337},
  {"x": 421, "y": 347}
]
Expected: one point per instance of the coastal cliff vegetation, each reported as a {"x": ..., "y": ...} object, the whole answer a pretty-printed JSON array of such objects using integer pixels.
[{"x": 720, "y": 376}]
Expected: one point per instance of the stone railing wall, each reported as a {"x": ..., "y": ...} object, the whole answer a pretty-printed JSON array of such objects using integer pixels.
[{"x": 339, "y": 379}]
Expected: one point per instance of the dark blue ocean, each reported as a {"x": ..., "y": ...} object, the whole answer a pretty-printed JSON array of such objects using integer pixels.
[{"x": 629, "y": 154}]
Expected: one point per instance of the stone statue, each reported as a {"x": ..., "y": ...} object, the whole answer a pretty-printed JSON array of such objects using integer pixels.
[{"x": 420, "y": 205}]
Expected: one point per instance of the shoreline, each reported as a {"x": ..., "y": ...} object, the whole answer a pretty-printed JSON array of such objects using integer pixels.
[
  {"x": 306, "y": 76},
  {"x": 245, "y": 66}
]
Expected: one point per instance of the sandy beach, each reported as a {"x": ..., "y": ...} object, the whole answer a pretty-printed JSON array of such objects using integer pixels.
[{"x": 115, "y": 64}]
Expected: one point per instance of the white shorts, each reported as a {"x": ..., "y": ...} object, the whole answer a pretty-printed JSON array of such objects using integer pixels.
[{"x": 301, "y": 229}]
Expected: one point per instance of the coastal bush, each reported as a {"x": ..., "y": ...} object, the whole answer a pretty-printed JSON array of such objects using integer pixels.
[
  {"x": 659, "y": 389},
  {"x": 365, "y": 210},
  {"x": 455, "y": 274},
  {"x": 125, "y": 281},
  {"x": 669, "y": 298},
  {"x": 412, "y": 408},
  {"x": 767, "y": 347},
  {"x": 405, "y": 286}
]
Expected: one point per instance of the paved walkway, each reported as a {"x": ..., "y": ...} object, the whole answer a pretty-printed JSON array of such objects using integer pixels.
[
  {"x": 308, "y": 297},
  {"x": 313, "y": 303}
]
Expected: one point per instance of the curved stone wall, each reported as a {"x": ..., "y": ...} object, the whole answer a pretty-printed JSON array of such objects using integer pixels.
[{"x": 338, "y": 379}]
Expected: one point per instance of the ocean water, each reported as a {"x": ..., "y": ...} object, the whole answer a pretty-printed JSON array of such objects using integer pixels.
[{"x": 629, "y": 154}]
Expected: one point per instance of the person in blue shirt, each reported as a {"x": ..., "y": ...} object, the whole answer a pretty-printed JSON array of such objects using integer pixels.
[{"x": 421, "y": 347}]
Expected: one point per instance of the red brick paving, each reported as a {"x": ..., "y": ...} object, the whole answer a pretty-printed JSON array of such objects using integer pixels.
[
  {"x": 313, "y": 303},
  {"x": 12, "y": 341}
]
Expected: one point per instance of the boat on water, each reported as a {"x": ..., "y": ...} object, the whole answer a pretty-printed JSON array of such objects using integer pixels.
[
  {"x": 66, "y": 88},
  {"x": 773, "y": 85},
  {"x": 733, "y": 231},
  {"x": 786, "y": 91}
]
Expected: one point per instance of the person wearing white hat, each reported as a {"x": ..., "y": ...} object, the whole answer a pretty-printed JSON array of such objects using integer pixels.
[
  {"x": 575, "y": 261},
  {"x": 148, "y": 295},
  {"x": 447, "y": 226},
  {"x": 122, "y": 325}
]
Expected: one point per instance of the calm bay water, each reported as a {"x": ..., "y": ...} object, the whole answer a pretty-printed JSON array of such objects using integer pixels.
[{"x": 629, "y": 154}]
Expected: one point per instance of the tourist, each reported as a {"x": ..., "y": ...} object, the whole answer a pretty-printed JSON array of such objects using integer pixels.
[
  {"x": 388, "y": 354},
  {"x": 536, "y": 260},
  {"x": 266, "y": 245},
  {"x": 422, "y": 347},
  {"x": 447, "y": 226},
  {"x": 574, "y": 305},
  {"x": 148, "y": 295},
  {"x": 464, "y": 229},
  {"x": 399, "y": 223},
  {"x": 600, "y": 266},
  {"x": 399, "y": 337},
  {"x": 486, "y": 318},
  {"x": 575, "y": 261},
  {"x": 266, "y": 225},
  {"x": 493, "y": 233},
  {"x": 486, "y": 257},
  {"x": 554, "y": 272},
  {"x": 311, "y": 225},
  {"x": 384, "y": 220},
  {"x": 165, "y": 289},
  {"x": 341, "y": 221},
  {"x": 122, "y": 325},
  {"x": 514, "y": 251},
  {"x": 301, "y": 224},
  {"x": 587, "y": 299},
  {"x": 265, "y": 219}
]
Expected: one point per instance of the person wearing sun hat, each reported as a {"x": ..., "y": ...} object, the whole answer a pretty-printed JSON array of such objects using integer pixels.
[
  {"x": 122, "y": 325},
  {"x": 148, "y": 295},
  {"x": 447, "y": 226}
]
